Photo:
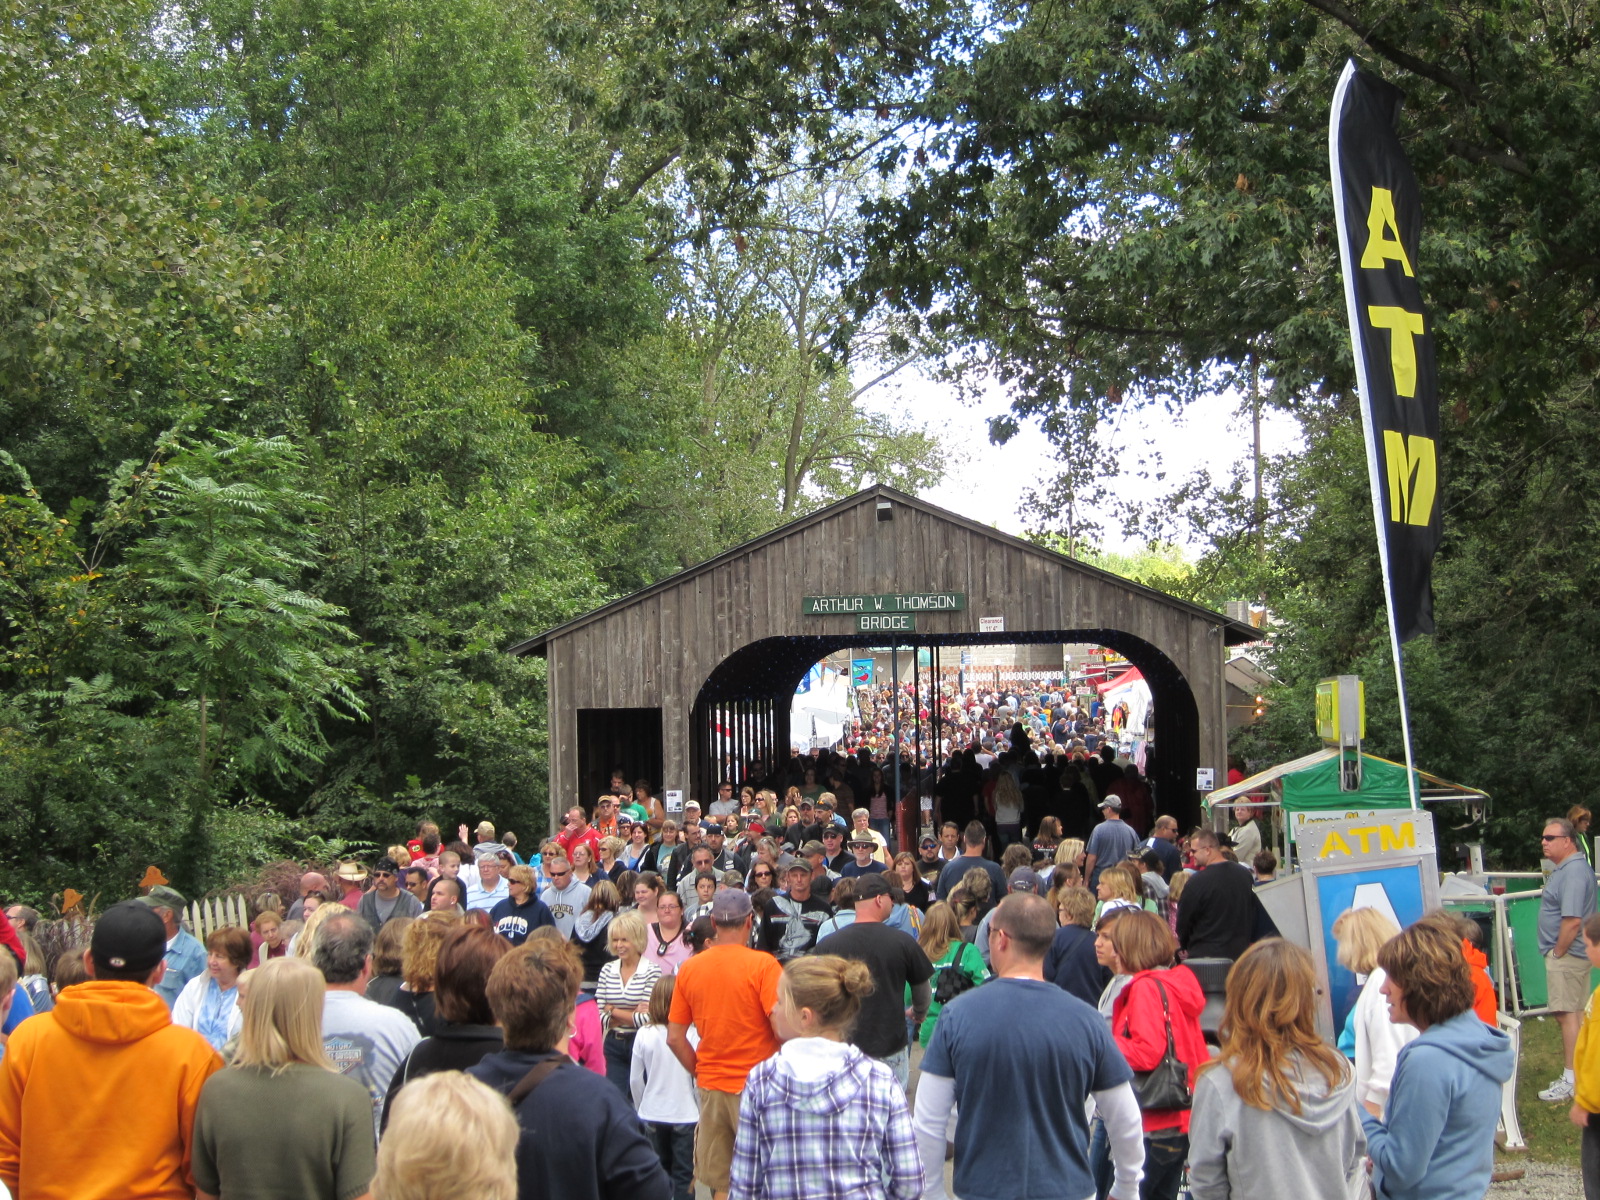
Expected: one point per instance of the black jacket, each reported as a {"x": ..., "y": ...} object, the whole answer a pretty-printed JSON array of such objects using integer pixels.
[
  {"x": 453, "y": 1048},
  {"x": 580, "y": 1138}
]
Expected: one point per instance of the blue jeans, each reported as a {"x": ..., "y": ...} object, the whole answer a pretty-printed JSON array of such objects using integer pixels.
[
  {"x": 674, "y": 1145},
  {"x": 1100, "y": 1164},
  {"x": 618, "y": 1049},
  {"x": 1165, "y": 1152},
  {"x": 900, "y": 1063}
]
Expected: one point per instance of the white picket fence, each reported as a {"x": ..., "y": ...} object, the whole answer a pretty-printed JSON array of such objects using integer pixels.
[{"x": 205, "y": 917}]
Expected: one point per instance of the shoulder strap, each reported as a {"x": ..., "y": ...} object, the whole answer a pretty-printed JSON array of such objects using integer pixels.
[{"x": 531, "y": 1081}]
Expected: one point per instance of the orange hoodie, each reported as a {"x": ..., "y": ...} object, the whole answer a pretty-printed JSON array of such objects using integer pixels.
[
  {"x": 97, "y": 1098},
  {"x": 1483, "y": 1001}
]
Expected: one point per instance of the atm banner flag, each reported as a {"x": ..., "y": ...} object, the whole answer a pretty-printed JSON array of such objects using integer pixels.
[{"x": 1378, "y": 209}]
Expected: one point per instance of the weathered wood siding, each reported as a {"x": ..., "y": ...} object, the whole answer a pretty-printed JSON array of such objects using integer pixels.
[{"x": 657, "y": 648}]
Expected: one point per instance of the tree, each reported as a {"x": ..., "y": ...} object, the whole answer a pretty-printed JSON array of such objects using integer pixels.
[
  {"x": 129, "y": 295},
  {"x": 213, "y": 672},
  {"x": 1126, "y": 202},
  {"x": 768, "y": 417}
]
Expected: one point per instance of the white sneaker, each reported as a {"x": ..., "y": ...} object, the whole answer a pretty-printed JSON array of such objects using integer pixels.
[{"x": 1561, "y": 1089}]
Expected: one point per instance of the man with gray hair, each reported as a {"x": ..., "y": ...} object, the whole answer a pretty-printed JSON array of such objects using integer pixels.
[
  {"x": 1568, "y": 900},
  {"x": 366, "y": 1041},
  {"x": 185, "y": 957}
]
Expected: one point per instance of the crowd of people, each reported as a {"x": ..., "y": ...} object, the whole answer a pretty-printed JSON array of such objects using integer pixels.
[
  {"x": 688, "y": 1008},
  {"x": 938, "y": 718}
]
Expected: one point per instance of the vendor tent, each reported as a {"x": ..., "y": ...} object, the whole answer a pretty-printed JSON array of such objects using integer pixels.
[{"x": 1311, "y": 784}]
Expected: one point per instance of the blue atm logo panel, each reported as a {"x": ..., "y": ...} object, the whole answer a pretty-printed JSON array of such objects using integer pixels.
[{"x": 1397, "y": 890}]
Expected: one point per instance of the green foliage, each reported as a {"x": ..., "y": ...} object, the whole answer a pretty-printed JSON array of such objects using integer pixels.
[
  {"x": 1120, "y": 202},
  {"x": 127, "y": 294},
  {"x": 761, "y": 417},
  {"x": 212, "y": 672},
  {"x": 429, "y": 274}
]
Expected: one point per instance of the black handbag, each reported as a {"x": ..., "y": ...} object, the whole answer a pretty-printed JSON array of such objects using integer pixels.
[{"x": 1164, "y": 1087}]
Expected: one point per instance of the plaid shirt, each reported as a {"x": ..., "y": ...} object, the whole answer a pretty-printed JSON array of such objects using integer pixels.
[{"x": 787, "y": 1152}]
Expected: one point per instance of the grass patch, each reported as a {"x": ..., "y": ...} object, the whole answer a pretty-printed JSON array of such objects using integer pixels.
[{"x": 1551, "y": 1137}]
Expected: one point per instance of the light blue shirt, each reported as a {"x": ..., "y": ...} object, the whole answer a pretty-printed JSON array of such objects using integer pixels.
[
  {"x": 185, "y": 958},
  {"x": 479, "y": 897}
]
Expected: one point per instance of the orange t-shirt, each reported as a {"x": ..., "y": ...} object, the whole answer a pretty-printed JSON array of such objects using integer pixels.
[
  {"x": 728, "y": 993},
  {"x": 1483, "y": 998}
]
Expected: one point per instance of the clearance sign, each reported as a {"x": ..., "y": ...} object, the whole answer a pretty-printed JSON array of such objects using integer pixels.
[{"x": 1379, "y": 217}]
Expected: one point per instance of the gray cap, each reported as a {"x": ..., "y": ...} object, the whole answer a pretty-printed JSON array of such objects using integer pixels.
[
  {"x": 730, "y": 906},
  {"x": 1114, "y": 803}
]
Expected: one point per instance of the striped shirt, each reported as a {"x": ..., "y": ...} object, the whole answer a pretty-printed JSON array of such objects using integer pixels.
[{"x": 612, "y": 992}]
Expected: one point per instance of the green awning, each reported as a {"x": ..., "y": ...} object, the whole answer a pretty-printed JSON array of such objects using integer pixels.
[{"x": 1311, "y": 784}]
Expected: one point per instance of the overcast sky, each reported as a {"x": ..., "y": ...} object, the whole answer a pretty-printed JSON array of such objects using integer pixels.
[{"x": 989, "y": 484}]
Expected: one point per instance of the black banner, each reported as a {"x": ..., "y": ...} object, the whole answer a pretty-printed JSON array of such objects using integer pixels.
[{"x": 1379, "y": 215}]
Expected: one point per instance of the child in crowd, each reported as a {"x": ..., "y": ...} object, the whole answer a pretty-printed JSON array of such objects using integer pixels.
[
  {"x": 819, "y": 1109},
  {"x": 663, "y": 1092}
]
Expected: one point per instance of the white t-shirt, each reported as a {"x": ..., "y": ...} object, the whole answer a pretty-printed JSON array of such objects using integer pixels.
[{"x": 367, "y": 1042}]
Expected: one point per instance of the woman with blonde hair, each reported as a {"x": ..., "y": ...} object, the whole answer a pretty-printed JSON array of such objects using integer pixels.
[
  {"x": 819, "y": 1109},
  {"x": 1371, "y": 1039},
  {"x": 623, "y": 994},
  {"x": 610, "y": 851},
  {"x": 947, "y": 950},
  {"x": 419, "y": 962},
  {"x": 321, "y": 1145},
  {"x": 1175, "y": 886},
  {"x": 1275, "y": 1114},
  {"x": 1069, "y": 853},
  {"x": 449, "y": 1135},
  {"x": 1118, "y": 888},
  {"x": 302, "y": 944}
]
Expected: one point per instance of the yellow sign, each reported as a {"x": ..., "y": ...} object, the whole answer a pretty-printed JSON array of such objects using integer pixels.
[
  {"x": 1393, "y": 832},
  {"x": 1359, "y": 840},
  {"x": 1342, "y": 709}
]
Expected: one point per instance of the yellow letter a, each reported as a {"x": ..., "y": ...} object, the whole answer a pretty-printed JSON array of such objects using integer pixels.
[{"x": 1383, "y": 233}]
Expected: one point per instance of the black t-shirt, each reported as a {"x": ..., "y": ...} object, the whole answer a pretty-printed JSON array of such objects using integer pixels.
[
  {"x": 800, "y": 833},
  {"x": 895, "y": 960},
  {"x": 1070, "y": 964}
]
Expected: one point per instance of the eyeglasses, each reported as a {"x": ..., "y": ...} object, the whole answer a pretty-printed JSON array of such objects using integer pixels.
[
  {"x": 383, "y": 875},
  {"x": 1552, "y": 837},
  {"x": 559, "y": 874}
]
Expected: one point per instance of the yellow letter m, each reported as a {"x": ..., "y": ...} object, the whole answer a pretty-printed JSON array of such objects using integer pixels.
[{"x": 1413, "y": 471}]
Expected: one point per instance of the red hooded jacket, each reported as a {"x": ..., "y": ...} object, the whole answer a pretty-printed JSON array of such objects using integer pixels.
[{"x": 1140, "y": 1030}]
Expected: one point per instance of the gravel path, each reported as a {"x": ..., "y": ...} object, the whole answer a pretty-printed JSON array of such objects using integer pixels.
[{"x": 1540, "y": 1181}]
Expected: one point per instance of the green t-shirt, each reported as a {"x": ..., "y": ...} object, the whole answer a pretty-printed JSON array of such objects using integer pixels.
[{"x": 317, "y": 1143}]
